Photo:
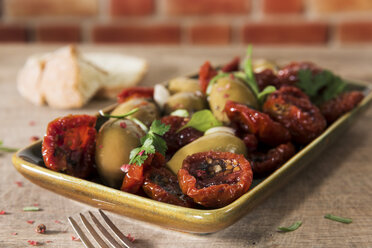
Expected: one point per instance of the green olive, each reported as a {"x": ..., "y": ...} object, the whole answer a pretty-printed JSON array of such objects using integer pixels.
[
  {"x": 226, "y": 89},
  {"x": 263, "y": 64},
  {"x": 115, "y": 139},
  {"x": 183, "y": 84},
  {"x": 185, "y": 100},
  {"x": 147, "y": 110},
  {"x": 215, "y": 141}
]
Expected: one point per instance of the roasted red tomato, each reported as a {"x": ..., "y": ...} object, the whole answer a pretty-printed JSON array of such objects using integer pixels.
[
  {"x": 338, "y": 106},
  {"x": 288, "y": 74},
  {"x": 135, "y": 92},
  {"x": 175, "y": 140},
  {"x": 206, "y": 73},
  {"x": 134, "y": 178},
  {"x": 252, "y": 121},
  {"x": 294, "y": 110},
  {"x": 162, "y": 185},
  {"x": 266, "y": 78},
  {"x": 215, "y": 179},
  {"x": 233, "y": 65},
  {"x": 69, "y": 145},
  {"x": 265, "y": 163}
]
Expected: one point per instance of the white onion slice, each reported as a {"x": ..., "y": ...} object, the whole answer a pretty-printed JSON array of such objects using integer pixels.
[{"x": 161, "y": 95}]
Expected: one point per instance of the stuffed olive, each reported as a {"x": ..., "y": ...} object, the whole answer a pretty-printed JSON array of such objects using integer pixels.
[{"x": 116, "y": 138}]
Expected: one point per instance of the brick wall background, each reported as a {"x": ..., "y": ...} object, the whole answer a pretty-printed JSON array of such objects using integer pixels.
[{"x": 195, "y": 22}]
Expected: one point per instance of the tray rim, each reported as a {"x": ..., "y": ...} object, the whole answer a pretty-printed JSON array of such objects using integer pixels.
[{"x": 209, "y": 220}]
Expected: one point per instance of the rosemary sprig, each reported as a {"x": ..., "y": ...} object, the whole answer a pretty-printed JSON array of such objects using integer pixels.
[
  {"x": 338, "y": 218},
  {"x": 290, "y": 228}
]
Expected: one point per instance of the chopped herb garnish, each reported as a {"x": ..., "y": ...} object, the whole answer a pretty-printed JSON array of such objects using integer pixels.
[
  {"x": 180, "y": 112},
  {"x": 31, "y": 209},
  {"x": 6, "y": 149},
  {"x": 320, "y": 87},
  {"x": 290, "y": 228},
  {"x": 150, "y": 143},
  {"x": 118, "y": 116},
  {"x": 338, "y": 218},
  {"x": 202, "y": 121}
]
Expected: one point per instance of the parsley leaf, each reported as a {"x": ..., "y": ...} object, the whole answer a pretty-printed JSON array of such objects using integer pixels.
[
  {"x": 150, "y": 143},
  {"x": 202, "y": 120},
  {"x": 320, "y": 87}
]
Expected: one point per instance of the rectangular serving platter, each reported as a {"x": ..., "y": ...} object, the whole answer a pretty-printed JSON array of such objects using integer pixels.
[{"x": 29, "y": 162}]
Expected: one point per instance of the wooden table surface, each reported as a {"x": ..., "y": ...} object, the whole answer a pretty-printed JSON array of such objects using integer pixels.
[{"x": 337, "y": 182}]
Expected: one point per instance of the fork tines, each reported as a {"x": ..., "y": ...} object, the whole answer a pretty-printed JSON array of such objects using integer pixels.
[{"x": 109, "y": 238}]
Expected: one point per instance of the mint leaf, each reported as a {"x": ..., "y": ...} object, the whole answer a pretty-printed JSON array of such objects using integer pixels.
[{"x": 202, "y": 120}]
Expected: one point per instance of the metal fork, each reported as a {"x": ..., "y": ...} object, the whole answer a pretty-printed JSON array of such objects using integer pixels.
[{"x": 113, "y": 243}]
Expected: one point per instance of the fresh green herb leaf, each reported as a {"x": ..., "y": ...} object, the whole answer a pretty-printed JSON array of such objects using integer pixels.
[
  {"x": 338, "y": 218},
  {"x": 118, "y": 116},
  {"x": 202, "y": 121},
  {"x": 248, "y": 69},
  {"x": 7, "y": 149},
  {"x": 268, "y": 90},
  {"x": 214, "y": 80},
  {"x": 180, "y": 112},
  {"x": 150, "y": 143},
  {"x": 33, "y": 209},
  {"x": 320, "y": 87},
  {"x": 291, "y": 228}
]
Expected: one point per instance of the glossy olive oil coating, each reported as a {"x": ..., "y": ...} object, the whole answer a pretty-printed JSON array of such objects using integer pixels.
[
  {"x": 190, "y": 101},
  {"x": 183, "y": 84},
  {"x": 115, "y": 140}
]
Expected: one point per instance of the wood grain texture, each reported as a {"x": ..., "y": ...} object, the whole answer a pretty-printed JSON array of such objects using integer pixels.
[{"x": 337, "y": 182}]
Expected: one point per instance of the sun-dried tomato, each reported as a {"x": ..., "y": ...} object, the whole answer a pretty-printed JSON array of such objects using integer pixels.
[
  {"x": 288, "y": 74},
  {"x": 340, "y": 105},
  {"x": 135, "y": 92},
  {"x": 250, "y": 142},
  {"x": 69, "y": 145},
  {"x": 175, "y": 140},
  {"x": 252, "y": 121},
  {"x": 294, "y": 110},
  {"x": 215, "y": 179},
  {"x": 206, "y": 73},
  {"x": 265, "y": 163},
  {"x": 134, "y": 178},
  {"x": 162, "y": 185},
  {"x": 266, "y": 78},
  {"x": 233, "y": 65}
]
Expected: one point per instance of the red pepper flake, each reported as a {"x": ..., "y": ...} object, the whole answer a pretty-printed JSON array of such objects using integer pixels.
[
  {"x": 228, "y": 86},
  {"x": 19, "y": 183},
  {"x": 141, "y": 153},
  {"x": 232, "y": 76},
  {"x": 125, "y": 167},
  {"x": 58, "y": 222},
  {"x": 14, "y": 233},
  {"x": 123, "y": 124},
  {"x": 2, "y": 212},
  {"x": 219, "y": 89},
  {"x": 34, "y": 138},
  {"x": 48, "y": 241},
  {"x": 73, "y": 238},
  {"x": 30, "y": 221},
  {"x": 33, "y": 242},
  {"x": 36, "y": 204},
  {"x": 100, "y": 146},
  {"x": 130, "y": 237},
  {"x": 32, "y": 123},
  {"x": 226, "y": 95}
]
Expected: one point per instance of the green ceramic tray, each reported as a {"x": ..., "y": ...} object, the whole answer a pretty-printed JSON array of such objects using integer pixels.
[{"x": 29, "y": 163}]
